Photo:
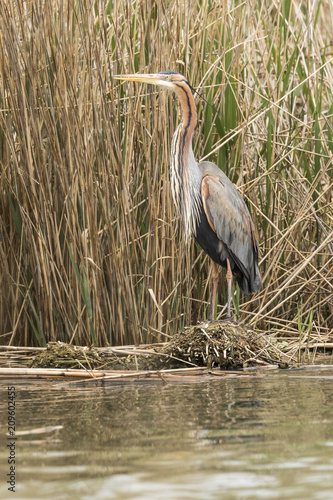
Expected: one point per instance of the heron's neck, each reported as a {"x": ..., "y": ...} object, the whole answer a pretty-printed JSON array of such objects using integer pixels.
[
  {"x": 189, "y": 122},
  {"x": 185, "y": 173}
]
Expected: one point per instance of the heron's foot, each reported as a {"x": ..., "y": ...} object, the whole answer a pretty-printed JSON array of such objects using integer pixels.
[{"x": 228, "y": 319}]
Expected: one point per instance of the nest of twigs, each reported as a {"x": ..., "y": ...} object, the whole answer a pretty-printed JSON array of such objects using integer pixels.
[
  {"x": 226, "y": 345},
  {"x": 62, "y": 355}
]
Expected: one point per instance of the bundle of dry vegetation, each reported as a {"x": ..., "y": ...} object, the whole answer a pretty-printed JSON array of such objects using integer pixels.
[
  {"x": 90, "y": 248},
  {"x": 211, "y": 345}
]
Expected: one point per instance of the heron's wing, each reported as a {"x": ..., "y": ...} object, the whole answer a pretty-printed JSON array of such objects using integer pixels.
[{"x": 229, "y": 217}]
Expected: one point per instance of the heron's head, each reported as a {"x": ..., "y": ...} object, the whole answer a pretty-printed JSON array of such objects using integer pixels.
[{"x": 169, "y": 79}]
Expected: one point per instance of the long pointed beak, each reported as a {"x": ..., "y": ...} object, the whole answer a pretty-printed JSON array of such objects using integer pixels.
[{"x": 153, "y": 78}]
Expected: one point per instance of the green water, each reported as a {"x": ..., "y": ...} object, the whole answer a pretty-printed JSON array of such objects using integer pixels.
[{"x": 263, "y": 437}]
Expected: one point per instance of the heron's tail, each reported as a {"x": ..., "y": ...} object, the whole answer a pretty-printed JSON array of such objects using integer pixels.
[
  {"x": 256, "y": 282},
  {"x": 249, "y": 281}
]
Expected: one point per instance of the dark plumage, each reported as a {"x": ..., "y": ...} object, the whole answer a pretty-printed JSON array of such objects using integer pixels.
[{"x": 233, "y": 236}]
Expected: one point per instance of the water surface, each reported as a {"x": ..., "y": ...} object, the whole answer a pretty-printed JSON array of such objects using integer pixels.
[{"x": 259, "y": 437}]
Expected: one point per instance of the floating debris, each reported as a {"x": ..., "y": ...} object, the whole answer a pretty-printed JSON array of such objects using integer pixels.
[
  {"x": 219, "y": 344},
  {"x": 62, "y": 355}
]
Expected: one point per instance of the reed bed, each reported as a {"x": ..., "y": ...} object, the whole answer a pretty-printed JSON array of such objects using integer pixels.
[{"x": 91, "y": 249}]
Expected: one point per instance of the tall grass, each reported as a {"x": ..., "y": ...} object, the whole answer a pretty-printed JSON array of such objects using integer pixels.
[{"x": 91, "y": 250}]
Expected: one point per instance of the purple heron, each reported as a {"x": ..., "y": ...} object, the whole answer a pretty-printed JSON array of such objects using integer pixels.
[{"x": 211, "y": 208}]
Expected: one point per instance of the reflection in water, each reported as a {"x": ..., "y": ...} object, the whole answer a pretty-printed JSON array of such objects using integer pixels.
[{"x": 246, "y": 438}]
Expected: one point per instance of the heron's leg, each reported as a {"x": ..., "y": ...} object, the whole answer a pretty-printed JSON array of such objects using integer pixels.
[
  {"x": 229, "y": 281},
  {"x": 215, "y": 275}
]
